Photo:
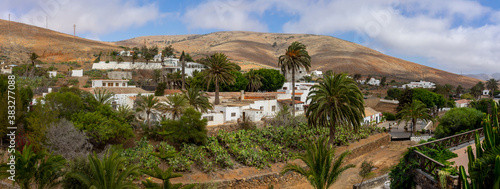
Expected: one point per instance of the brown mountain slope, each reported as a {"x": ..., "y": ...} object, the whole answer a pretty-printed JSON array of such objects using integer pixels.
[
  {"x": 18, "y": 41},
  {"x": 254, "y": 50}
]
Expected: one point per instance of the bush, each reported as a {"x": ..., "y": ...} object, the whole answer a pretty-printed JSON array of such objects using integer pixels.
[
  {"x": 64, "y": 139},
  {"x": 141, "y": 154},
  {"x": 458, "y": 120},
  {"x": 190, "y": 128},
  {"x": 389, "y": 116},
  {"x": 73, "y": 81},
  {"x": 86, "y": 86}
]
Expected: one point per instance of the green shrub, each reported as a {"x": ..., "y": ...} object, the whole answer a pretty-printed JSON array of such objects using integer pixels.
[
  {"x": 73, "y": 81},
  {"x": 389, "y": 116},
  {"x": 141, "y": 154},
  {"x": 458, "y": 120},
  {"x": 190, "y": 128}
]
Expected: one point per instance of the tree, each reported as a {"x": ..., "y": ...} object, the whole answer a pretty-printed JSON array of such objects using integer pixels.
[
  {"x": 190, "y": 128},
  {"x": 126, "y": 113},
  {"x": 183, "y": 64},
  {"x": 197, "y": 99},
  {"x": 134, "y": 57},
  {"x": 458, "y": 120},
  {"x": 165, "y": 176},
  {"x": 295, "y": 57},
  {"x": 382, "y": 81},
  {"x": 368, "y": 79},
  {"x": 414, "y": 111},
  {"x": 160, "y": 89},
  {"x": 146, "y": 53},
  {"x": 169, "y": 51},
  {"x": 492, "y": 85},
  {"x": 366, "y": 169},
  {"x": 64, "y": 139},
  {"x": 323, "y": 168},
  {"x": 240, "y": 83},
  {"x": 356, "y": 76},
  {"x": 147, "y": 104},
  {"x": 66, "y": 103},
  {"x": 459, "y": 90},
  {"x": 102, "y": 96},
  {"x": 176, "y": 103},
  {"x": 336, "y": 101},
  {"x": 218, "y": 71},
  {"x": 477, "y": 89},
  {"x": 272, "y": 80},
  {"x": 394, "y": 93},
  {"x": 254, "y": 80},
  {"x": 33, "y": 58},
  {"x": 108, "y": 172},
  {"x": 39, "y": 169}
]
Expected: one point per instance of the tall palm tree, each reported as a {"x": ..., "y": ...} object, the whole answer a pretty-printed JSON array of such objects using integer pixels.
[
  {"x": 134, "y": 57},
  {"x": 108, "y": 172},
  {"x": 414, "y": 111},
  {"x": 254, "y": 80},
  {"x": 218, "y": 71},
  {"x": 183, "y": 64},
  {"x": 323, "y": 169},
  {"x": 165, "y": 176},
  {"x": 176, "y": 103},
  {"x": 492, "y": 85},
  {"x": 147, "y": 104},
  {"x": 295, "y": 57},
  {"x": 198, "y": 99},
  {"x": 102, "y": 96},
  {"x": 336, "y": 101}
]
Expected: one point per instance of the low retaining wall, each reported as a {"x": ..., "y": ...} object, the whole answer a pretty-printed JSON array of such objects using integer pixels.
[
  {"x": 370, "y": 146},
  {"x": 372, "y": 183},
  {"x": 212, "y": 130}
]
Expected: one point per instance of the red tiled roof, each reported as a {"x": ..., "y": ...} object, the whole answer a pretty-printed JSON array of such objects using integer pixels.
[
  {"x": 171, "y": 91},
  {"x": 463, "y": 101},
  {"x": 289, "y": 101}
]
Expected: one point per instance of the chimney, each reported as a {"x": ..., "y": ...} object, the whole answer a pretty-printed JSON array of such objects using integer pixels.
[{"x": 242, "y": 97}]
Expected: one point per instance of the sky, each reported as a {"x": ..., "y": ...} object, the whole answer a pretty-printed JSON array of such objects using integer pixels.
[{"x": 459, "y": 36}]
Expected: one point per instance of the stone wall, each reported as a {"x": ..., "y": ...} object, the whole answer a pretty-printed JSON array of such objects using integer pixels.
[
  {"x": 385, "y": 140},
  {"x": 425, "y": 180},
  {"x": 372, "y": 183},
  {"x": 212, "y": 130}
]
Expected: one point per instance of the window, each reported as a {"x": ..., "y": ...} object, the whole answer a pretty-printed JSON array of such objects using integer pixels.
[
  {"x": 262, "y": 108},
  {"x": 285, "y": 88},
  {"x": 233, "y": 114},
  {"x": 110, "y": 84},
  {"x": 273, "y": 108},
  {"x": 208, "y": 118},
  {"x": 297, "y": 98}
]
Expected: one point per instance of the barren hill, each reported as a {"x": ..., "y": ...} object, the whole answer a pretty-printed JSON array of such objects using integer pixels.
[
  {"x": 18, "y": 41},
  {"x": 253, "y": 50}
]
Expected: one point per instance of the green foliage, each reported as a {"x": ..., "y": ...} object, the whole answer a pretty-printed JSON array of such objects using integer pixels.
[
  {"x": 389, "y": 116},
  {"x": 141, "y": 155},
  {"x": 160, "y": 89},
  {"x": 467, "y": 96},
  {"x": 81, "y": 165},
  {"x": 325, "y": 107},
  {"x": 394, "y": 93},
  {"x": 108, "y": 172},
  {"x": 197, "y": 99},
  {"x": 95, "y": 73},
  {"x": 458, "y": 120},
  {"x": 323, "y": 168},
  {"x": 366, "y": 169},
  {"x": 190, "y": 128},
  {"x": 254, "y": 80},
  {"x": 219, "y": 71},
  {"x": 240, "y": 83},
  {"x": 272, "y": 80},
  {"x": 414, "y": 111},
  {"x": 65, "y": 103},
  {"x": 401, "y": 175},
  {"x": 165, "y": 176},
  {"x": 102, "y": 125},
  {"x": 73, "y": 81},
  {"x": 482, "y": 105}
]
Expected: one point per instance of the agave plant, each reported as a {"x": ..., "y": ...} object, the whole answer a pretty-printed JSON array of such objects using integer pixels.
[{"x": 165, "y": 176}]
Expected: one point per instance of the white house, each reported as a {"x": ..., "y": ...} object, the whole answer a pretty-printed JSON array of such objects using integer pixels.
[
  {"x": 121, "y": 94},
  {"x": 420, "y": 84},
  {"x": 126, "y": 53},
  {"x": 373, "y": 81},
  {"x": 157, "y": 58},
  {"x": 462, "y": 103},
  {"x": 298, "y": 74},
  {"x": 76, "y": 73},
  {"x": 52, "y": 74},
  {"x": 371, "y": 116},
  {"x": 108, "y": 83},
  {"x": 486, "y": 92},
  {"x": 317, "y": 73},
  {"x": 7, "y": 69}
]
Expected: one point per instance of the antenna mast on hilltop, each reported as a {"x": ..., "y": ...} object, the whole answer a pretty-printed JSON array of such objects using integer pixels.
[{"x": 74, "y": 32}]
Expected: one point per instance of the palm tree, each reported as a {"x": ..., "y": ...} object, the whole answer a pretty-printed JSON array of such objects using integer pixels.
[
  {"x": 218, "y": 71},
  {"x": 198, "y": 99},
  {"x": 183, "y": 64},
  {"x": 323, "y": 169},
  {"x": 295, "y": 57},
  {"x": 125, "y": 112},
  {"x": 336, "y": 101},
  {"x": 33, "y": 58},
  {"x": 108, "y": 172},
  {"x": 176, "y": 104},
  {"x": 165, "y": 176},
  {"x": 147, "y": 104},
  {"x": 102, "y": 96},
  {"x": 254, "y": 80},
  {"x": 414, "y": 111},
  {"x": 492, "y": 85}
]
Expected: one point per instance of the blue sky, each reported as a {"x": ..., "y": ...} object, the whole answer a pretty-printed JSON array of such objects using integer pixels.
[{"x": 453, "y": 35}]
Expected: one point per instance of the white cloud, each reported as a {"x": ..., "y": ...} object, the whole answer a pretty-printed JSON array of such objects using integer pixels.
[{"x": 93, "y": 17}]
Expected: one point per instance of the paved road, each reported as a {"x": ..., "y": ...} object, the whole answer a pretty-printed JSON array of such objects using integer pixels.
[{"x": 397, "y": 130}]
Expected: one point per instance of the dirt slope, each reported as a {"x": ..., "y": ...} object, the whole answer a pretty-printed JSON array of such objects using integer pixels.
[{"x": 328, "y": 53}]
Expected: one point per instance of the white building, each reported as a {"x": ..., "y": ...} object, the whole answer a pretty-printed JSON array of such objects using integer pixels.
[
  {"x": 371, "y": 116},
  {"x": 317, "y": 73},
  {"x": 126, "y": 53},
  {"x": 373, "y": 81},
  {"x": 121, "y": 95},
  {"x": 7, "y": 69},
  {"x": 52, "y": 74},
  {"x": 76, "y": 73},
  {"x": 420, "y": 84},
  {"x": 298, "y": 74},
  {"x": 157, "y": 58},
  {"x": 108, "y": 83},
  {"x": 462, "y": 103},
  {"x": 486, "y": 92}
]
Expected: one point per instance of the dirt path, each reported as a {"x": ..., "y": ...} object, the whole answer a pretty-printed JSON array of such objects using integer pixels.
[{"x": 383, "y": 159}]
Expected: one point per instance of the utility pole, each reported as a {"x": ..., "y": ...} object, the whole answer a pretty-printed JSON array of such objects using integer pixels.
[{"x": 74, "y": 32}]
